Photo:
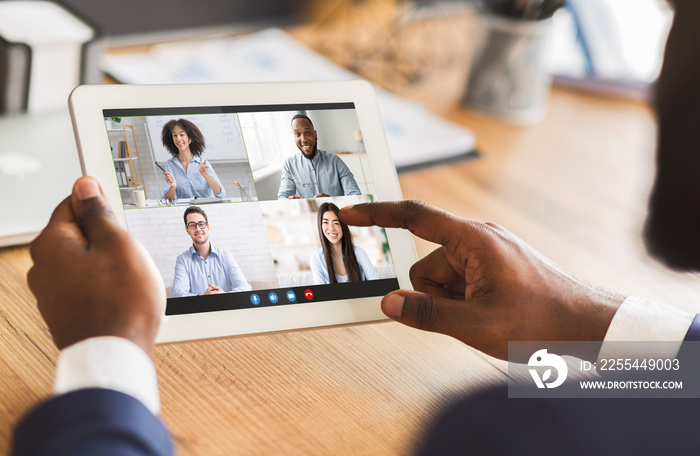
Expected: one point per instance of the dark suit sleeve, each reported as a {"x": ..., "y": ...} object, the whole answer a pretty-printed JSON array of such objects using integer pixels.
[
  {"x": 92, "y": 422},
  {"x": 693, "y": 334},
  {"x": 489, "y": 423}
]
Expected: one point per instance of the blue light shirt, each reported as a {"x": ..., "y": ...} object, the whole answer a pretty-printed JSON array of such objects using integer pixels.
[
  {"x": 192, "y": 184},
  {"x": 193, "y": 274},
  {"x": 325, "y": 173},
  {"x": 320, "y": 271}
]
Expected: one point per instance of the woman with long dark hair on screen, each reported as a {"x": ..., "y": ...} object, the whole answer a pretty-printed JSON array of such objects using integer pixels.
[
  {"x": 187, "y": 174},
  {"x": 338, "y": 260}
]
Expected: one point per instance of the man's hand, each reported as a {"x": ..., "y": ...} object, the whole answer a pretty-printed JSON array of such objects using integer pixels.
[
  {"x": 91, "y": 278},
  {"x": 294, "y": 197},
  {"x": 213, "y": 289},
  {"x": 484, "y": 286},
  {"x": 321, "y": 195}
]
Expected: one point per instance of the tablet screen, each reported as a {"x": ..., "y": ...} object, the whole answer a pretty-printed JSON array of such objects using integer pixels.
[{"x": 238, "y": 205}]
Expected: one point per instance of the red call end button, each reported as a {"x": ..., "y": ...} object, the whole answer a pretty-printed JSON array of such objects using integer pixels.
[{"x": 308, "y": 294}]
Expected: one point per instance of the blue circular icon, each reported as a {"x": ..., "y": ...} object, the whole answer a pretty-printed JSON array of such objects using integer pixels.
[
  {"x": 291, "y": 296},
  {"x": 272, "y": 297},
  {"x": 255, "y": 299}
]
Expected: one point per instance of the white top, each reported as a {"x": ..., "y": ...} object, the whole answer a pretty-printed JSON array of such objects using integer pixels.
[{"x": 317, "y": 262}]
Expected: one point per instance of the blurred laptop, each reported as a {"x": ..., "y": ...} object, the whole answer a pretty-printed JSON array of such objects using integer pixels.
[
  {"x": 127, "y": 22},
  {"x": 38, "y": 166}
]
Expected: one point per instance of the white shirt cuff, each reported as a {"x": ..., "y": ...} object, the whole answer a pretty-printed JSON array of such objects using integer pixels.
[
  {"x": 112, "y": 363},
  {"x": 640, "y": 319}
]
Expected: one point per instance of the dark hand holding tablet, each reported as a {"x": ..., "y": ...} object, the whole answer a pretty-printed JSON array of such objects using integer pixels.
[
  {"x": 91, "y": 278},
  {"x": 483, "y": 285}
]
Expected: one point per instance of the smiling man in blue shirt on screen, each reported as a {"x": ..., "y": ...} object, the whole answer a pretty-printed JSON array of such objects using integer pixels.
[
  {"x": 313, "y": 173},
  {"x": 204, "y": 269}
]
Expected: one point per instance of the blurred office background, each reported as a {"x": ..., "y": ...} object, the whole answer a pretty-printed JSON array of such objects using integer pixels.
[
  {"x": 394, "y": 43},
  {"x": 407, "y": 48}
]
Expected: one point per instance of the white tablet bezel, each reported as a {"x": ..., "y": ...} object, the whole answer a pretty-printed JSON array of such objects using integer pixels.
[{"x": 86, "y": 105}]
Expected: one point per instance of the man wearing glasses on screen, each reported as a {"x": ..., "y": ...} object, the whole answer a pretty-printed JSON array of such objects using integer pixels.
[
  {"x": 313, "y": 173},
  {"x": 204, "y": 269}
]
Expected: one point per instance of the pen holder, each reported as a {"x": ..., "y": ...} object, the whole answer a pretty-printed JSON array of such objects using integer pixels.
[
  {"x": 508, "y": 76},
  {"x": 245, "y": 192}
]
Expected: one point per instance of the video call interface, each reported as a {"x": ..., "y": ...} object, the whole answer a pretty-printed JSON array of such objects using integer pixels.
[{"x": 238, "y": 205}]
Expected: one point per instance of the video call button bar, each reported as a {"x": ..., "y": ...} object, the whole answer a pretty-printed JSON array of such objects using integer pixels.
[{"x": 280, "y": 296}]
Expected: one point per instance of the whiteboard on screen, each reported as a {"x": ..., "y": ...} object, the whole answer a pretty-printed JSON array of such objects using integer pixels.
[{"x": 222, "y": 136}]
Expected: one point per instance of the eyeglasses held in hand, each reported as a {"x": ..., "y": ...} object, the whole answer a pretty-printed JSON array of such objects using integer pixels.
[{"x": 166, "y": 202}]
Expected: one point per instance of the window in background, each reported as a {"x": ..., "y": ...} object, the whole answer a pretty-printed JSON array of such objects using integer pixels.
[
  {"x": 268, "y": 137},
  {"x": 612, "y": 45}
]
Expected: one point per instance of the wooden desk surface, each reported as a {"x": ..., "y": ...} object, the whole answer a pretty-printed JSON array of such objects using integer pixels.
[{"x": 575, "y": 186}]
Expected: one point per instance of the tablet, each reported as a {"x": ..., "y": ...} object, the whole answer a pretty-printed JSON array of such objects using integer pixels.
[{"x": 237, "y": 255}]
